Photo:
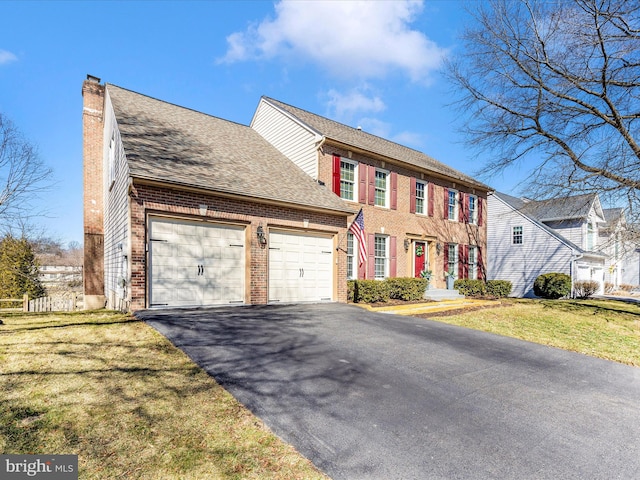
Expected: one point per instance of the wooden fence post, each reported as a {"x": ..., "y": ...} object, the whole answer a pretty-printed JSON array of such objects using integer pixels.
[{"x": 25, "y": 302}]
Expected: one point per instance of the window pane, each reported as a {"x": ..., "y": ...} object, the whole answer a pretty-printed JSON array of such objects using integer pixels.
[
  {"x": 517, "y": 235},
  {"x": 381, "y": 189},
  {"x": 452, "y": 205},
  {"x": 419, "y": 197},
  {"x": 453, "y": 258},
  {"x": 472, "y": 209},
  {"x": 350, "y": 268},
  {"x": 380, "y": 252},
  {"x": 347, "y": 180}
]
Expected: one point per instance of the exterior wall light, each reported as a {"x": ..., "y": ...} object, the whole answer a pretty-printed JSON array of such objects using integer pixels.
[
  {"x": 407, "y": 243},
  {"x": 262, "y": 239}
]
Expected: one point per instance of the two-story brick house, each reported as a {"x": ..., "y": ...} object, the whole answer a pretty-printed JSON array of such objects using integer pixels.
[{"x": 419, "y": 214}]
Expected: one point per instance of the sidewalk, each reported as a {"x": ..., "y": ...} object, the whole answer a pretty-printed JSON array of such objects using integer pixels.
[{"x": 430, "y": 307}]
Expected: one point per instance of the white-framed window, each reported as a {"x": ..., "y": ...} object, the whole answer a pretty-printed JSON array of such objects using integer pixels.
[
  {"x": 381, "y": 257},
  {"x": 452, "y": 205},
  {"x": 452, "y": 259},
  {"x": 352, "y": 257},
  {"x": 381, "y": 188},
  {"x": 472, "y": 262},
  {"x": 421, "y": 199},
  {"x": 516, "y": 238},
  {"x": 591, "y": 232},
  {"x": 472, "y": 207},
  {"x": 348, "y": 180}
]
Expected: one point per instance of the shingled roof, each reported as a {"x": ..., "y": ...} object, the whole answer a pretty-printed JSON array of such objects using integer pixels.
[
  {"x": 359, "y": 139},
  {"x": 179, "y": 146},
  {"x": 564, "y": 208}
]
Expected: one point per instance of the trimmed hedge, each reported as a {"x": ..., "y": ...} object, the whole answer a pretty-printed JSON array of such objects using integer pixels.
[
  {"x": 499, "y": 288},
  {"x": 586, "y": 288},
  {"x": 373, "y": 291},
  {"x": 552, "y": 285}
]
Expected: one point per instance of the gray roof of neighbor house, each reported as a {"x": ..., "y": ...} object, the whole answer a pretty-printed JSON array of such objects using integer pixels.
[
  {"x": 176, "y": 145},
  {"x": 564, "y": 208},
  {"x": 520, "y": 205},
  {"x": 612, "y": 216},
  {"x": 371, "y": 143}
]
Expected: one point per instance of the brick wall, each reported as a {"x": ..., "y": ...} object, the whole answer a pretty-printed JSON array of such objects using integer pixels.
[
  {"x": 149, "y": 200},
  {"x": 403, "y": 224},
  {"x": 92, "y": 121}
]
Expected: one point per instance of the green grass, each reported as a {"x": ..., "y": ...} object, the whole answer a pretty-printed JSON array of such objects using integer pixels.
[
  {"x": 601, "y": 328},
  {"x": 113, "y": 391}
]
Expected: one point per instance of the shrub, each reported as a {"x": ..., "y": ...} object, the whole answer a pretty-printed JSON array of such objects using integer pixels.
[
  {"x": 370, "y": 291},
  {"x": 626, "y": 287},
  {"x": 585, "y": 288},
  {"x": 609, "y": 287},
  {"x": 498, "y": 288},
  {"x": 406, "y": 288},
  {"x": 351, "y": 286},
  {"x": 470, "y": 288},
  {"x": 552, "y": 285}
]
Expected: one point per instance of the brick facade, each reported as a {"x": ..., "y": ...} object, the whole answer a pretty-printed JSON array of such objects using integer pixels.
[
  {"x": 151, "y": 200},
  {"x": 402, "y": 224}
]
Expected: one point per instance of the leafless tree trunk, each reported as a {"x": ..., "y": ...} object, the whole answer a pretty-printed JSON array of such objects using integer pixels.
[
  {"x": 22, "y": 176},
  {"x": 554, "y": 86}
]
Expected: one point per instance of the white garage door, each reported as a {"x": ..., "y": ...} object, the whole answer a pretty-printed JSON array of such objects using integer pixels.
[
  {"x": 193, "y": 264},
  {"x": 300, "y": 267}
]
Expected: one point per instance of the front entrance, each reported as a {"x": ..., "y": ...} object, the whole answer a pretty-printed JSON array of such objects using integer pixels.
[{"x": 420, "y": 258}]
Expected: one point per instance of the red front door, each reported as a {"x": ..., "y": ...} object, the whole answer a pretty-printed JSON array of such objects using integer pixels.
[{"x": 419, "y": 253}]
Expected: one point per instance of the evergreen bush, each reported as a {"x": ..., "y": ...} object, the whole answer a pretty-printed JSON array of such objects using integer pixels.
[{"x": 552, "y": 285}]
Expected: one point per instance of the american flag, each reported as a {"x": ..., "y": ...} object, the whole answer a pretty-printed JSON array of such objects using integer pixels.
[{"x": 357, "y": 228}]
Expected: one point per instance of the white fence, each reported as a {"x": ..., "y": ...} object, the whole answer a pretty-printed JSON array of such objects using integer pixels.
[{"x": 69, "y": 303}]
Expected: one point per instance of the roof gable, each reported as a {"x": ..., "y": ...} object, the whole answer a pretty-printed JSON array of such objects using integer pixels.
[
  {"x": 172, "y": 144},
  {"x": 359, "y": 139}
]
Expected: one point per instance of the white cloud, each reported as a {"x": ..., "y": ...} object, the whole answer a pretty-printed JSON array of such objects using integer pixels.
[
  {"x": 7, "y": 57},
  {"x": 348, "y": 38},
  {"x": 343, "y": 106}
]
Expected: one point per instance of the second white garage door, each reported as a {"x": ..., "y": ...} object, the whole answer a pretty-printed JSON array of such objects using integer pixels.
[{"x": 300, "y": 267}]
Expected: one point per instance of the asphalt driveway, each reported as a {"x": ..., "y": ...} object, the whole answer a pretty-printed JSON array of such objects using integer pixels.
[{"x": 375, "y": 396}]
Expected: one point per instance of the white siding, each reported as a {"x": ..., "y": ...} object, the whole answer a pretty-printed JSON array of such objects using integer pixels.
[
  {"x": 630, "y": 266},
  {"x": 296, "y": 142},
  {"x": 116, "y": 216},
  {"x": 540, "y": 252},
  {"x": 573, "y": 230}
]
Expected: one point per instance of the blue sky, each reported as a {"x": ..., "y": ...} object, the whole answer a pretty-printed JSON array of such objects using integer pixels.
[{"x": 374, "y": 65}]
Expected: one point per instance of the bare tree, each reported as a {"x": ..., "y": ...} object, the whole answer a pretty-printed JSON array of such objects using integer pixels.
[
  {"x": 554, "y": 86},
  {"x": 22, "y": 176}
]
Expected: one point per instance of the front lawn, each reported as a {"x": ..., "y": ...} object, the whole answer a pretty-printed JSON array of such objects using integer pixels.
[
  {"x": 600, "y": 328},
  {"x": 112, "y": 390}
]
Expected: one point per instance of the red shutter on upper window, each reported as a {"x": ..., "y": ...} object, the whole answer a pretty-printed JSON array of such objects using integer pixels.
[
  {"x": 372, "y": 185},
  {"x": 371, "y": 253},
  {"x": 393, "y": 261},
  {"x": 362, "y": 183},
  {"x": 446, "y": 203},
  {"x": 461, "y": 207},
  {"x": 412, "y": 196},
  {"x": 336, "y": 175},
  {"x": 394, "y": 191},
  {"x": 479, "y": 212},
  {"x": 430, "y": 202}
]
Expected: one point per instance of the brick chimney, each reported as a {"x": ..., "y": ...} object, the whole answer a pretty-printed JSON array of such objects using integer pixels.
[{"x": 93, "y": 138}]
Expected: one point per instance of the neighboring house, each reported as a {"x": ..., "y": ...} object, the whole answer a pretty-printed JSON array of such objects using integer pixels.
[
  {"x": 185, "y": 209},
  {"x": 619, "y": 241},
  {"x": 419, "y": 214},
  {"x": 528, "y": 238},
  {"x": 55, "y": 274}
]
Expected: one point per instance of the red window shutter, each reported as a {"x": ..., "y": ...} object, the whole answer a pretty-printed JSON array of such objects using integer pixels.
[
  {"x": 446, "y": 203},
  {"x": 362, "y": 183},
  {"x": 445, "y": 257},
  {"x": 479, "y": 212},
  {"x": 371, "y": 253},
  {"x": 393, "y": 261},
  {"x": 336, "y": 174},
  {"x": 430, "y": 193},
  {"x": 372, "y": 185},
  {"x": 412, "y": 196},
  {"x": 394, "y": 191},
  {"x": 461, "y": 207},
  {"x": 480, "y": 264},
  {"x": 464, "y": 261}
]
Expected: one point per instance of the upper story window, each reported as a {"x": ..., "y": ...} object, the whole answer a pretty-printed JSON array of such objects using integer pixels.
[
  {"x": 517, "y": 235},
  {"x": 452, "y": 205},
  {"x": 591, "y": 241},
  {"x": 348, "y": 180},
  {"x": 473, "y": 209},
  {"x": 381, "y": 188},
  {"x": 381, "y": 257},
  {"x": 421, "y": 206}
]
